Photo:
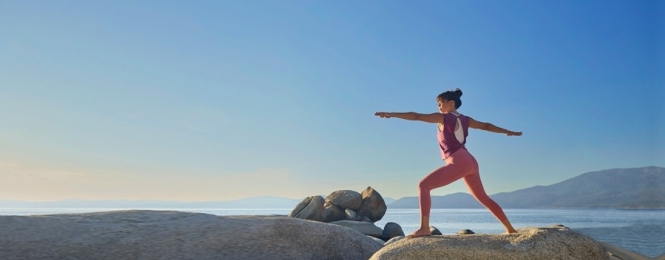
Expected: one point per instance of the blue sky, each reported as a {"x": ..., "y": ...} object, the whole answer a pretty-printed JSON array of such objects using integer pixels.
[{"x": 221, "y": 100}]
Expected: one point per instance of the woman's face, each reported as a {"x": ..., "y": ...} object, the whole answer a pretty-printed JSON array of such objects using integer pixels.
[{"x": 446, "y": 106}]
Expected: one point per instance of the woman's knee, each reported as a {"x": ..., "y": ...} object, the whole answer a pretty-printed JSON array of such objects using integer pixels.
[
  {"x": 424, "y": 186},
  {"x": 484, "y": 199}
]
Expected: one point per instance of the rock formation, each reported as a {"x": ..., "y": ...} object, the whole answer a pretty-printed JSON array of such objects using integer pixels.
[
  {"x": 170, "y": 235},
  {"x": 342, "y": 206},
  {"x": 167, "y": 235},
  {"x": 528, "y": 243}
]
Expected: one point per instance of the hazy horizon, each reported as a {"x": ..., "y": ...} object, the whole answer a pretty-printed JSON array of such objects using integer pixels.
[
  {"x": 273, "y": 196},
  {"x": 223, "y": 100}
]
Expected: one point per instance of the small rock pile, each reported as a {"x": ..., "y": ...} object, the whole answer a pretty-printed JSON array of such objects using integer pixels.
[{"x": 350, "y": 209}]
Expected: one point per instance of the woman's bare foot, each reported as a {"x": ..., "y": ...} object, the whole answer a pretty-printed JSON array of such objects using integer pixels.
[
  {"x": 420, "y": 233},
  {"x": 510, "y": 232}
]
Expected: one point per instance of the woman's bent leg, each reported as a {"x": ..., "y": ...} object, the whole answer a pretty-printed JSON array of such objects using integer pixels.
[
  {"x": 475, "y": 186},
  {"x": 438, "y": 178}
]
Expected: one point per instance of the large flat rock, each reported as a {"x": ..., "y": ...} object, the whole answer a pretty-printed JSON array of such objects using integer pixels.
[
  {"x": 168, "y": 235},
  {"x": 529, "y": 243}
]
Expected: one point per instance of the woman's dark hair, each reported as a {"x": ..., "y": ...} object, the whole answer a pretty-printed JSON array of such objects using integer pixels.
[{"x": 453, "y": 95}]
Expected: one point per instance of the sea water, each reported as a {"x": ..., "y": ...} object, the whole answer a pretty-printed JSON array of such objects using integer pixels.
[{"x": 642, "y": 231}]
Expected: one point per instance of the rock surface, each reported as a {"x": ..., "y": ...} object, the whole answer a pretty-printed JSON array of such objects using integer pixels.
[
  {"x": 167, "y": 235},
  {"x": 313, "y": 209},
  {"x": 390, "y": 230},
  {"x": 351, "y": 214},
  {"x": 367, "y": 228},
  {"x": 618, "y": 253},
  {"x": 346, "y": 199},
  {"x": 378, "y": 240},
  {"x": 465, "y": 232},
  {"x": 373, "y": 205},
  {"x": 434, "y": 231},
  {"x": 333, "y": 213},
  {"x": 528, "y": 243},
  {"x": 301, "y": 206},
  {"x": 393, "y": 240}
]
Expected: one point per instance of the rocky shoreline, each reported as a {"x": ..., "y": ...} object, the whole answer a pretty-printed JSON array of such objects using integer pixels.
[
  {"x": 342, "y": 228},
  {"x": 143, "y": 234}
]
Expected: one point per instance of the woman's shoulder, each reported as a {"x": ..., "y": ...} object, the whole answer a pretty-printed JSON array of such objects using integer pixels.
[{"x": 456, "y": 115}]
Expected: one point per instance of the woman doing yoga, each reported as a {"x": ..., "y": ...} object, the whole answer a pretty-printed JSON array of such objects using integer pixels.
[{"x": 460, "y": 164}]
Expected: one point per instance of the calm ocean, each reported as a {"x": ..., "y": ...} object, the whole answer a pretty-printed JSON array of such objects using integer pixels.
[{"x": 642, "y": 231}]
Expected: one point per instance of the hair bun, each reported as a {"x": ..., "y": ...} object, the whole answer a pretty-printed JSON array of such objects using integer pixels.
[{"x": 458, "y": 92}]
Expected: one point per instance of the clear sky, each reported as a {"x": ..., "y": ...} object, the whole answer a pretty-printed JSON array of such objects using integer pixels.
[{"x": 222, "y": 100}]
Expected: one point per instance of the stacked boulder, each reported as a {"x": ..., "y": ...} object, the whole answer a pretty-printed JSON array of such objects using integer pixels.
[{"x": 350, "y": 209}]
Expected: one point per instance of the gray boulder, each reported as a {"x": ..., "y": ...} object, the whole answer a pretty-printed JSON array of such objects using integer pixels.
[
  {"x": 350, "y": 214},
  {"x": 373, "y": 206},
  {"x": 346, "y": 199},
  {"x": 333, "y": 213},
  {"x": 314, "y": 210},
  {"x": 465, "y": 232},
  {"x": 390, "y": 230},
  {"x": 170, "y": 235},
  {"x": 378, "y": 240},
  {"x": 434, "y": 231},
  {"x": 528, "y": 243},
  {"x": 367, "y": 228},
  {"x": 393, "y": 240},
  {"x": 301, "y": 206}
]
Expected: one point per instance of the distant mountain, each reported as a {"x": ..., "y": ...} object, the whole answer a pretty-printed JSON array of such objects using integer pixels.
[
  {"x": 249, "y": 203},
  {"x": 614, "y": 188}
]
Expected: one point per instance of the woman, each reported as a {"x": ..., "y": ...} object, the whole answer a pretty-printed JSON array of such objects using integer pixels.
[{"x": 460, "y": 164}]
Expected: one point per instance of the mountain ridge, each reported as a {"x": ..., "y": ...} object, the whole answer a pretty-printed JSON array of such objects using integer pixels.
[{"x": 624, "y": 188}]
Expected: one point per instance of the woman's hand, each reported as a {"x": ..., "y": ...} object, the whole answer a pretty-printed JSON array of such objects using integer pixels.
[
  {"x": 382, "y": 114},
  {"x": 511, "y": 133}
]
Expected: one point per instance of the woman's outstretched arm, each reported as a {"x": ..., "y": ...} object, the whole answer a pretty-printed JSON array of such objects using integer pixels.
[
  {"x": 491, "y": 128},
  {"x": 429, "y": 118}
]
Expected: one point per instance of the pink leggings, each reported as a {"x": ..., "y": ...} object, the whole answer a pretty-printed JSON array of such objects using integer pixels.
[{"x": 460, "y": 164}]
